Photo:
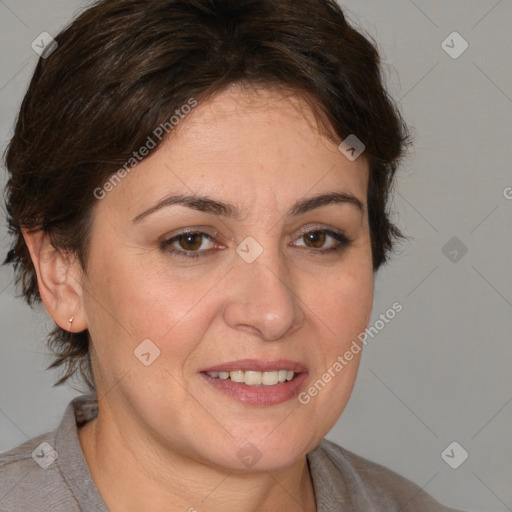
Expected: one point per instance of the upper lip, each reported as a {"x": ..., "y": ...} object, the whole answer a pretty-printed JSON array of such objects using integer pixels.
[{"x": 257, "y": 365}]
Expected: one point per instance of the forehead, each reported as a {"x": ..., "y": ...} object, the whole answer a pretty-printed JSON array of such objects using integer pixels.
[
  {"x": 253, "y": 122},
  {"x": 248, "y": 147}
]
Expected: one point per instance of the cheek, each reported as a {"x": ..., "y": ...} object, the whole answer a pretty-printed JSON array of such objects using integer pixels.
[
  {"x": 337, "y": 358},
  {"x": 131, "y": 299},
  {"x": 355, "y": 299},
  {"x": 344, "y": 302},
  {"x": 341, "y": 312}
]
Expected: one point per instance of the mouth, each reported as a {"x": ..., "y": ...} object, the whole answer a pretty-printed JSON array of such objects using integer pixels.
[{"x": 255, "y": 382}]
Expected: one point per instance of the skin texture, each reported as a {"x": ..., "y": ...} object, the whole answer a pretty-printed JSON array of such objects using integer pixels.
[{"x": 165, "y": 439}]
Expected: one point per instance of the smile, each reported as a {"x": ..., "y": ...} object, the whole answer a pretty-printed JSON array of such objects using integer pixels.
[{"x": 255, "y": 378}]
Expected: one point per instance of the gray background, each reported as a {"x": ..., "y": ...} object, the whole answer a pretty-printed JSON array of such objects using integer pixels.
[{"x": 440, "y": 371}]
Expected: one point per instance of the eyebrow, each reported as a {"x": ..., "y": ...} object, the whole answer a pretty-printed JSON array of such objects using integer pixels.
[{"x": 209, "y": 205}]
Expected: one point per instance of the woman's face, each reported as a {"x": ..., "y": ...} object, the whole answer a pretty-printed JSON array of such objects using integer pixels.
[{"x": 249, "y": 290}]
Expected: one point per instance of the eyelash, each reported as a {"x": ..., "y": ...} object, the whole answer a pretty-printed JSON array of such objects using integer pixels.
[{"x": 166, "y": 244}]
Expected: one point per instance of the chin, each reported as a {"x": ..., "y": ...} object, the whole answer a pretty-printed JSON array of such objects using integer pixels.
[{"x": 258, "y": 454}]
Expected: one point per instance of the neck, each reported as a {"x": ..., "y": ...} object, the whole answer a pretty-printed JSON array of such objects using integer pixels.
[{"x": 133, "y": 473}]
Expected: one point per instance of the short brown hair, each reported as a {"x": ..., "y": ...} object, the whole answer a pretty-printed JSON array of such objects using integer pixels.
[{"x": 124, "y": 66}]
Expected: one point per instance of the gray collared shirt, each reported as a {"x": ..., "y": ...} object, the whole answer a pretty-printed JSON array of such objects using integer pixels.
[{"x": 49, "y": 472}]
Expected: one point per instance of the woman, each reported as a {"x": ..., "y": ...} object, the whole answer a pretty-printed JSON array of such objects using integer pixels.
[{"x": 198, "y": 195}]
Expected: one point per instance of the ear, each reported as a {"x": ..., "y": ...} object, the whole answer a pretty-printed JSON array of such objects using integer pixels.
[{"x": 60, "y": 280}]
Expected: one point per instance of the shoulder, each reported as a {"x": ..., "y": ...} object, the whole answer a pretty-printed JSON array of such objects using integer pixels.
[
  {"x": 342, "y": 477},
  {"x": 30, "y": 478}
]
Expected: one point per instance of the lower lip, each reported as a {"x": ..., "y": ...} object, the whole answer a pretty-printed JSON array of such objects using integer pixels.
[{"x": 258, "y": 395}]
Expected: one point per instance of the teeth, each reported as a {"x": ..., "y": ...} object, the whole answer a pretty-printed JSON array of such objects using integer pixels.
[
  {"x": 252, "y": 378},
  {"x": 269, "y": 378},
  {"x": 237, "y": 376}
]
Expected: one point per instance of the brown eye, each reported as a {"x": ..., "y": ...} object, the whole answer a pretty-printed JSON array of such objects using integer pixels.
[
  {"x": 315, "y": 239},
  {"x": 191, "y": 244},
  {"x": 190, "y": 241}
]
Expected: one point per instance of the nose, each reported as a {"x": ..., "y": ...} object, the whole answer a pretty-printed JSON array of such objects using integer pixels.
[{"x": 262, "y": 299}]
